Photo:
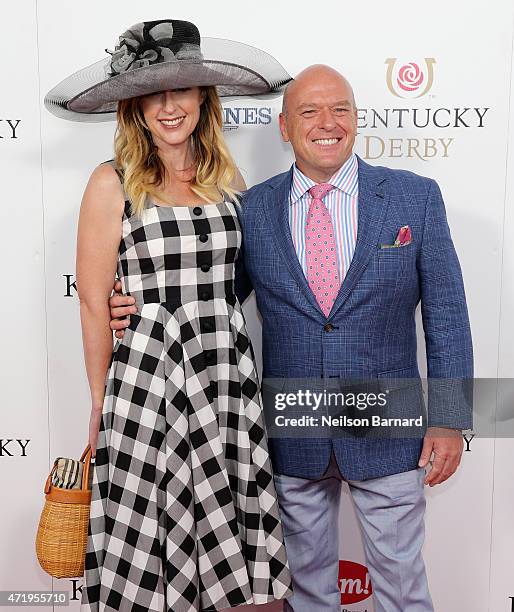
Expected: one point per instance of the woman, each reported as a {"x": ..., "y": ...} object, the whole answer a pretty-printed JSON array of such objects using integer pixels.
[{"x": 183, "y": 513}]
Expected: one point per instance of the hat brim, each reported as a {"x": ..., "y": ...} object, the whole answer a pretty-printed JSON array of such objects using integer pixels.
[{"x": 234, "y": 68}]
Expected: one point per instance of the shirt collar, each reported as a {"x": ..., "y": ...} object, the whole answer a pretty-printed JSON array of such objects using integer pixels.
[{"x": 345, "y": 179}]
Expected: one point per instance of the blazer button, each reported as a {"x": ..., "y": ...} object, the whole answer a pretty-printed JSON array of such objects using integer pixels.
[
  {"x": 205, "y": 295},
  {"x": 205, "y": 267},
  {"x": 328, "y": 327},
  {"x": 203, "y": 237},
  {"x": 197, "y": 210},
  {"x": 207, "y": 326},
  {"x": 210, "y": 356}
]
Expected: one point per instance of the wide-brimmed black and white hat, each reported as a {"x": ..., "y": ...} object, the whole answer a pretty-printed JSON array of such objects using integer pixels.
[{"x": 160, "y": 55}]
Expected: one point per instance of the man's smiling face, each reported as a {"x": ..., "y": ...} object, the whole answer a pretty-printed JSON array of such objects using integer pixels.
[{"x": 320, "y": 121}]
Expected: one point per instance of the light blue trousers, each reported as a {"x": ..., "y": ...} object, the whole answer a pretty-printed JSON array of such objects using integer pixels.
[{"x": 391, "y": 514}]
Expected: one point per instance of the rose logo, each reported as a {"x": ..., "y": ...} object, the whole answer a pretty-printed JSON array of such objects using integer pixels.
[
  {"x": 410, "y": 80},
  {"x": 410, "y": 77}
]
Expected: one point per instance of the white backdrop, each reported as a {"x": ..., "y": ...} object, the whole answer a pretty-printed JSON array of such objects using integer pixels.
[{"x": 467, "y": 49}]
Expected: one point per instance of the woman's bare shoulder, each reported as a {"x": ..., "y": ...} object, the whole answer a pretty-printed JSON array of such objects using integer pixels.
[
  {"x": 104, "y": 175},
  {"x": 104, "y": 189}
]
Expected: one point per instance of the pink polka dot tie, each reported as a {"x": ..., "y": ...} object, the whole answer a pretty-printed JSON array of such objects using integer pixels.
[{"x": 320, "y": 243}]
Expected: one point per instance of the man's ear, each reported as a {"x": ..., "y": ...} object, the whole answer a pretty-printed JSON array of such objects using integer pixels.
[{"x": 283, "y": 127}]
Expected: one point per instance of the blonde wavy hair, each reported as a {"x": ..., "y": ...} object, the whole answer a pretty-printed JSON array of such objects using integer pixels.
[{"x": 143, "y": 172}]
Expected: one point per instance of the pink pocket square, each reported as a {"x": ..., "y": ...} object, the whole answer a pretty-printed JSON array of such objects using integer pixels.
[{"x": 403, "y": 238}]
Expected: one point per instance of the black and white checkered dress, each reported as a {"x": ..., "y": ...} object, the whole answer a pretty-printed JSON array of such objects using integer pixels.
[{"x": 183, "y": 514}]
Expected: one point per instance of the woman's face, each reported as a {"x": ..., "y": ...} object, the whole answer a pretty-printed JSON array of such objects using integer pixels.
[{"x": 172, "y": 115}]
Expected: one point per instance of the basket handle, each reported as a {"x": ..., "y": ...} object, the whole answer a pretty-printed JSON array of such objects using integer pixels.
[
  {"x": 86, "y": 458},
  {"x": 85, "y": 452}
]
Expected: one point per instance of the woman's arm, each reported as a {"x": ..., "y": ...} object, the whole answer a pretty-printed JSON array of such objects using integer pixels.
[{"x": 98, "y": 239}]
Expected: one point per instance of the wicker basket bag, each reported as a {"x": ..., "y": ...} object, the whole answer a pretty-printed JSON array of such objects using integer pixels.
[{"x": 62, "y": 532}]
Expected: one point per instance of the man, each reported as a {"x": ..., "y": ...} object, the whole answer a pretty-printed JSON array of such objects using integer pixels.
[{"x": 337, "y": 302}]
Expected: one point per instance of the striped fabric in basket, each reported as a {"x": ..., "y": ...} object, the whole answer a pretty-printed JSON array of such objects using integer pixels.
[{"x": 68, "y": 473}]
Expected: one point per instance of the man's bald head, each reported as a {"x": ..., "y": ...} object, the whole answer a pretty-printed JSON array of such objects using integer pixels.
[
  {"x": 308, "y": 75},
  {"x": 319, "y": 119}
]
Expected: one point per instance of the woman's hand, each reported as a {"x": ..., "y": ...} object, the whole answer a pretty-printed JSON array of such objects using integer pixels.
[{"x": 94, "y": 428}]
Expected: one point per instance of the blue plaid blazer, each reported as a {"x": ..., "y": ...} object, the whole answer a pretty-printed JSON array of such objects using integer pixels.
[{"x": 372, "y": 330}]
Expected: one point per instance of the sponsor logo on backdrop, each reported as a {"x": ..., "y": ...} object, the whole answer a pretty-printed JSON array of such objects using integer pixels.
[
  {"x": 76, "y": 589},
  {"x": 410, "y": 80},
  {"x": 422, "y": 126},
  {"x": 467, "y": 442},
  {"x": 236, "y": 116},
  {"x": 13, "y": 447},
  {"x": 9, "y": 128},
  {"x": 71, "y": 285},
  {"x": 354, "y": 582}
]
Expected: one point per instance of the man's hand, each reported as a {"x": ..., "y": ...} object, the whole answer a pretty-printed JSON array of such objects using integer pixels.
[
  {"x": 121, "y": 306},
  {"x": 447, "y": 446}
]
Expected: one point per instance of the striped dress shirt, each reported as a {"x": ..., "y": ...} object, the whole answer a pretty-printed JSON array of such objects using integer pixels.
[{"x": 341, "y": 203}]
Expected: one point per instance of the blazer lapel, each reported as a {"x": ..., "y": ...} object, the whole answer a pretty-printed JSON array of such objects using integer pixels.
[
  {"x": 372, "y": 207},
  {"x": 276, "y": 205}
]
